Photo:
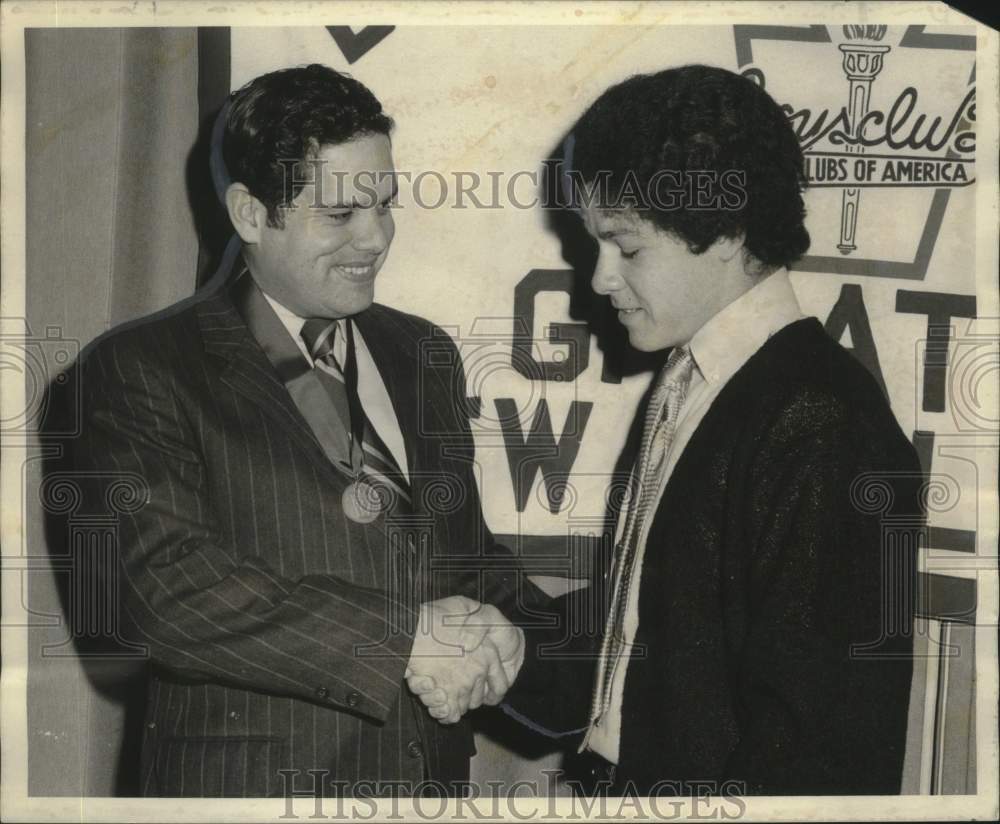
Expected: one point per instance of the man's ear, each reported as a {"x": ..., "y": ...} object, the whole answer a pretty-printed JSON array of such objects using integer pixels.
[
  {"x": 727, "y": 248},
  {"x": 249, "y": 215}
]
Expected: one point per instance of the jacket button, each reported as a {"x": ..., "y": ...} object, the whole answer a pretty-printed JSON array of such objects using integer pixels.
[
  {"x": 414, "y": 749},
  {"x": 353, "y": 699},
  {"x": 234, "y": 715},
  {"x": 322, "y": 692}
]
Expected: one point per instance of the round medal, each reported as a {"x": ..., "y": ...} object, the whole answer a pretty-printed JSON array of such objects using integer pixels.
[{"x": 361, "y": 502}]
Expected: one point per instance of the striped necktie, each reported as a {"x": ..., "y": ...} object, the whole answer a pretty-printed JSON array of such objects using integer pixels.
[
  {"x": 657, "y": 436},
  {"x": 370, "y": 457}
]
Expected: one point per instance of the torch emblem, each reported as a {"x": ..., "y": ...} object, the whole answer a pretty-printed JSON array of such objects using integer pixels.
[{"x": 862, "y": 61}]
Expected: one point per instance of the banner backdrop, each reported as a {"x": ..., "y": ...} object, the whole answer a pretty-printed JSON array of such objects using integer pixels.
[
  {"x": 887, "y": 118},
  {"x": 479, "y": 110}
]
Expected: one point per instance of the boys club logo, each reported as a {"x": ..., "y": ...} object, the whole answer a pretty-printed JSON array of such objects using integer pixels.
[{"x": 874, "y": 131}]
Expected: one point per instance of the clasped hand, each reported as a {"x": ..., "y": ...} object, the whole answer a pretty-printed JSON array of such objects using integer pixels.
[{"x": 464, "y": 654}]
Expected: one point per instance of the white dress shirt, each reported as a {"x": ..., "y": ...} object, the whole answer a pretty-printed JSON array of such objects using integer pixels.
[
  {"x": 720, "y": 348},
  {"x": 374, "y": 396}
]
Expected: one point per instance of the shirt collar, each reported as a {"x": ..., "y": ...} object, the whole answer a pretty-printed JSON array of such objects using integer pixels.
[
  {"x": 293, "y": 323},
  {"x": 731, "y": 337}
]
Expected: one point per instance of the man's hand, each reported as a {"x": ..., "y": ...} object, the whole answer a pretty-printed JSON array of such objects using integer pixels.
[
  {"x": 465, "y": 654},
  {"x": 508, "y": 640},
  {"x": 449, "y": 662}
]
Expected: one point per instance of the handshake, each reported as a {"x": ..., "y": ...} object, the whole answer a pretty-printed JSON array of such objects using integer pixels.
[{"x": 464, "y": 654}]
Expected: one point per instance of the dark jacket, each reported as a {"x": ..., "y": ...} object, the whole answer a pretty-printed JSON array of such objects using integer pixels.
[{"x": 777, "y": 591}]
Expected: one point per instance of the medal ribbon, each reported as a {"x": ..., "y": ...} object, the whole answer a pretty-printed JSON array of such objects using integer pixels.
[{"x": 371, "y": 460}]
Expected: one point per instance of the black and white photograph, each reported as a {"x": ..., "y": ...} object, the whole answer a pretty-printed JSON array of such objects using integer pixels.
[{"x": 499, "y": 411}]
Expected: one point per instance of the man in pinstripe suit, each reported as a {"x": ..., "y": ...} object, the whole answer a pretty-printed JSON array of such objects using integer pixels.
[{"x": 280, "y": 616}]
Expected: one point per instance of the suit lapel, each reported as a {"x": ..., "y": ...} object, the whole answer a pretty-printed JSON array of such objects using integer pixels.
[{"x": 245, "y": 369}]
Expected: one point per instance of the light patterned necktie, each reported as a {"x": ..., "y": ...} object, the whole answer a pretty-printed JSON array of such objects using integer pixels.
[
  {"x": 370, "y": 456},
  {"x": 657, "y": 436}
]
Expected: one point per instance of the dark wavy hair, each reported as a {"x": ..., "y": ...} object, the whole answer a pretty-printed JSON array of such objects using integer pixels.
[
  {"x": 289, "y": 115},
  {"x": 701, "y": 118}
]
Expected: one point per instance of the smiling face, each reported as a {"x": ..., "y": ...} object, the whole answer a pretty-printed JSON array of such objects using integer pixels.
[
  {"x": 664, "y": 293},
  {"x": 336, "y": 236}
]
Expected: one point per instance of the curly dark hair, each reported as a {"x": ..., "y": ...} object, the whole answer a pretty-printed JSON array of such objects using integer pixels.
[
  {"x": 289, "y": 115},
  {"x": 700, "y": 118}
]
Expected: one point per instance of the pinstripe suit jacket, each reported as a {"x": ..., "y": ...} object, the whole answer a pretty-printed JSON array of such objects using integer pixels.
[{"x": 277, "y": 632}]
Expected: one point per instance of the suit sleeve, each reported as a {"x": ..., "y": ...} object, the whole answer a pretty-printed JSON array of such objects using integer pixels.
[
  {"x": 823, "y": 680},
  {"x": 205, "y": 609},
  {"x": 554, "y": 687}
]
